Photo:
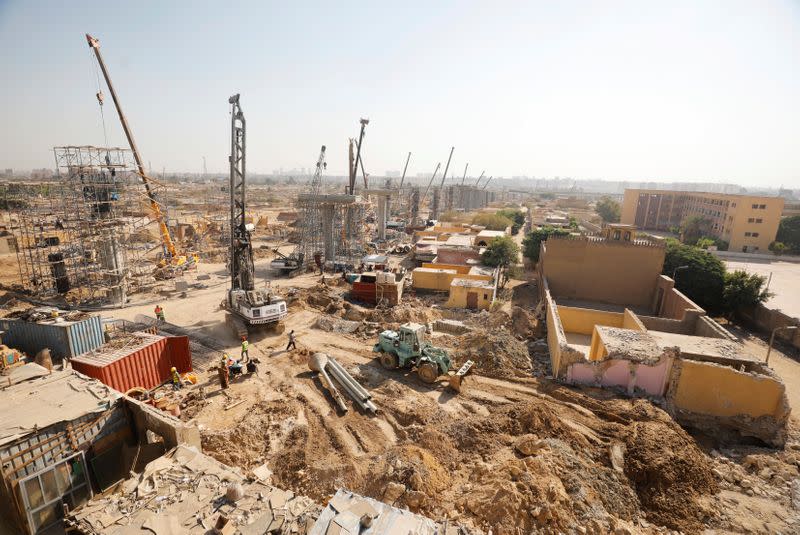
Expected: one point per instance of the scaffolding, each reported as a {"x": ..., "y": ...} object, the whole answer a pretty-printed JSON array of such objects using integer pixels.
[{"x": 84, "y": 239}]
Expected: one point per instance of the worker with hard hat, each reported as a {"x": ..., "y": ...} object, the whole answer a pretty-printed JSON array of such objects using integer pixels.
[
  {"x": 245, "y": 349},
  {"x": 177, "y": 383}
]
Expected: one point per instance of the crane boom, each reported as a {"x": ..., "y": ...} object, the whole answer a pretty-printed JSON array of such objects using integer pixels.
[
  {"x": 403, "y": 178},
  {"x": 479, "y": 179},
  {"x": 425, "y": 196},
  {"x": 354, "y": 167},
  {"x": 446, "y": 167},
  {"x": 166, "y": 239}
]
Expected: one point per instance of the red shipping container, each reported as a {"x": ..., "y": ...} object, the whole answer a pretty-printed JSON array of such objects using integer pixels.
[
  {"x": 146, "y": 363},
  {"x": 364, "y": 292}
]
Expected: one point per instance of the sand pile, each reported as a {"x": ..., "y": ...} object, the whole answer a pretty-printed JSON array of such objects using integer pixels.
[
  {"x": 409, "y": 310},
  {"x": 496, "y": 354}
]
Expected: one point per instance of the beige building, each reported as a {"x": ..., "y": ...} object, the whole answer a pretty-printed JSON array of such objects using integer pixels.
[{"x": 747, "y": 222}]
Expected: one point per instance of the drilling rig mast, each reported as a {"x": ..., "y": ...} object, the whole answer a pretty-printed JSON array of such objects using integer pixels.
[{"x": 248, "y": 306}]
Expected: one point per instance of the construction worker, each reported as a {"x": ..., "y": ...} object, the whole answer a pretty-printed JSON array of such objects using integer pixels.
[
  {"x": 159, "y": 313},
  {"x": 245, "y": 348},
  {"x": 224, "y": 377},
  {"x": 291, "y": 341},
  {"x": 177, "y": 383}
]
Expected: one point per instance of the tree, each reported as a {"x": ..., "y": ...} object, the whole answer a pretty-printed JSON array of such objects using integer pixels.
[
  {"x": 778, "y": 247},
  {"x": 706, "y": 241},
  {"x": 789, "y": 233},
  {"x": 608, "y": 209},
  {"x": 702, "y": 280},
  {"x": 451, "y": 216},
  {"x": 517, "y": 218},
  {"x": 501, "y": 252},
  {"x": 492, "y": 221},
  {"x": 743, "y": 289},
  {"x": 531, "y": 243},
  {"x": 693, "y": 228}
]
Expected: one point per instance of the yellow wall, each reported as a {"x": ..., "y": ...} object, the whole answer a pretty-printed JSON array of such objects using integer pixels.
[
  {"x": 458, "y": 297},
  {"x": 732, "y": 222},
  {"x": 461, "y": 270},
  {"x": 722, "y": 391},
  {"x": 631, "y": 321},
  {"x": 583, "y": 320},
  {"x": 606, "y": 271},
  {"x": 438, "y": 280}
]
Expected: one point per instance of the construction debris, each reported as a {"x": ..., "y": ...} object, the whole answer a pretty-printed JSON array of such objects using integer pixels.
[{"x": 187, "y": 492}]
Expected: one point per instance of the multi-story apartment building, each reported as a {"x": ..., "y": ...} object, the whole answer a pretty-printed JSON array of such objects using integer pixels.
[{"x": 747, "y": 222}]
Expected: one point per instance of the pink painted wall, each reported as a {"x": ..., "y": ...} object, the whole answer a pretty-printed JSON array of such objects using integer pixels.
[
  {"x": 616, "y": 372},
  {"x": 653, "y": 379}
]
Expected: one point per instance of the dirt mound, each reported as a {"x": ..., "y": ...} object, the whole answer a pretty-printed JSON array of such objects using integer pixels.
[
  {"x": 408, "y": 475},
  {"x": 409, "y": 310},
  {"x": 669, "y": 471},
  {"x": 521, "y": 322},
  {"x": 247, "y": 443},
  {"x": 498, "y": 354}
]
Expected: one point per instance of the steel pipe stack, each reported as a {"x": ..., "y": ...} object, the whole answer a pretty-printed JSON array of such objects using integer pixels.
[{"x": 325, "y": 365}]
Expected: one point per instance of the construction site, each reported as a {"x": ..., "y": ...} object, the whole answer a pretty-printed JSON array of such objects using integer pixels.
[{"x": 340, "y": 357}]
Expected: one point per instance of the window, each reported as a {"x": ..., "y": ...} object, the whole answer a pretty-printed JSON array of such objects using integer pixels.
[
  {"x": 755, "y": 248},
  {"x": 759, "y": 220},
  {"x": 751, "y": 220},
  {"x": 485, "y": 297},
  {"x": 762, "y": 206},
  {"x": 755, "y": 207},
  {"x": 734, "y": 205},
  {"x": 755, "y": 234},
  {"x": 747, "y": 234}
]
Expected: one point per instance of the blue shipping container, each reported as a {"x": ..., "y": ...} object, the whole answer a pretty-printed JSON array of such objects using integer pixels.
[{"x": 64, "y": 339}]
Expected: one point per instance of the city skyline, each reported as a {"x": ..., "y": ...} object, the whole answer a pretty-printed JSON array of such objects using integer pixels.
[{"x": 679, "y": 93}]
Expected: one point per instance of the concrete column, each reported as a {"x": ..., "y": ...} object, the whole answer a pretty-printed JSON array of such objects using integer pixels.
[
  {"x": 328, "y": 239},
  {"x": 381, "y": 215}
]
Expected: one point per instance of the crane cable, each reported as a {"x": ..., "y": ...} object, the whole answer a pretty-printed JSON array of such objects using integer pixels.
[{"x": 99, "y": 96}]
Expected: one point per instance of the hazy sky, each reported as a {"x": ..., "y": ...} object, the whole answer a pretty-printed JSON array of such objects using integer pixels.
[{"x": 639, "y": 90}]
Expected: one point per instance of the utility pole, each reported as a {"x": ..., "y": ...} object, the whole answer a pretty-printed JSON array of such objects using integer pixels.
[
  {"x": 446, "y": 167},
  {"x": 463, "y": 178}
]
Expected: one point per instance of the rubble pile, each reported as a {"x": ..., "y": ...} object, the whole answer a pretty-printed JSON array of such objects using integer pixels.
[
  {"x": 187, "y": 492},
  {"x": 495, "y": 354}
]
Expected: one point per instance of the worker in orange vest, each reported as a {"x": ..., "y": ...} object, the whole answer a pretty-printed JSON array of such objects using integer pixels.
[{"x": 159, "y": 313}]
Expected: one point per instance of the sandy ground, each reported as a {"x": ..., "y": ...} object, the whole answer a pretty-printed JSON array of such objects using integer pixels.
[
  {"x": 785, "y": 282},
  {"x": 515, "y": 455}
]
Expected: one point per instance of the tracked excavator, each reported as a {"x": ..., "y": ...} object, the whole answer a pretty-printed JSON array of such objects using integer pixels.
[{"x": 247, "y": 307}]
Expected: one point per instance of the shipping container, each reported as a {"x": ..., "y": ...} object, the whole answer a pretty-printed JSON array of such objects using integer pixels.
[
  {"x": 65, "y": 339},
  {"x": 144, "y": 362}
]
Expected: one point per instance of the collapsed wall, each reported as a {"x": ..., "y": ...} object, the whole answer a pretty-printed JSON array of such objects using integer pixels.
[
  {"x": 705, "y": 391},
  {"x": 751, "y": 403}
]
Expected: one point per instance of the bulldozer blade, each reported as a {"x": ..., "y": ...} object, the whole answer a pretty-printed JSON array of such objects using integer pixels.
[{"x": 457, "y": 380}]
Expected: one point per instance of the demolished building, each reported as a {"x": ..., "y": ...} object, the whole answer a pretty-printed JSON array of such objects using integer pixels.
[
  {"x": 65, "y": 437},
  {"x": 613, "y": 320}
]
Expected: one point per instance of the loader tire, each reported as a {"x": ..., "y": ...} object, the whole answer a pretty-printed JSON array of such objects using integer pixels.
[
  {"x": 389, "y": 361},
  {"x": 428, "y": 372}
]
